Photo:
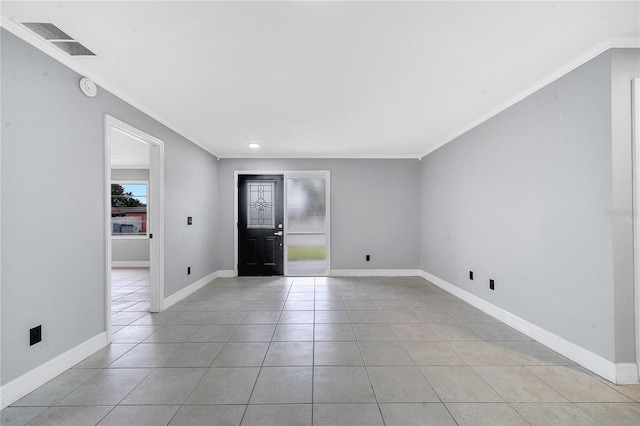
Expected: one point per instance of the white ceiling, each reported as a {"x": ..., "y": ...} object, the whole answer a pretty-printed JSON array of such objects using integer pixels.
[
  {"x": 329, "y": 79},
  {"x": 128, "y": 152}
]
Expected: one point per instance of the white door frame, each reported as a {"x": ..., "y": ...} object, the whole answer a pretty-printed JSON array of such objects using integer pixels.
[
  {"x": 636, "y": 208},
  {"x": 289, "y": 173},
  {"x": 155, "y": 224}
]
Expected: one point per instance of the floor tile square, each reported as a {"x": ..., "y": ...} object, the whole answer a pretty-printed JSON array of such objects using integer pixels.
[
  {"x": 134, "y": 333},
  {"x": 283, "y": 385},
  {"x": 334, "y": 333},
  {"x": 165, "y": 386},
  {"x": 337, "y": 353},
  {"x": 19, "y": 416},
  {"x": 481, "y": 353},
  {"x": 342, "y": 384},
  {"x": 433, "y": 353},
  {"x": 375, "y": 333},
  {"x": 266, "y": 305},
  {"x": 492, "y": 332},
  {"x": 71, "y": 416},
  {"x": 172, "y": 334},
  {"x": 459, "y": 384},
  {"x": 401, "y": 317},
  {"x": 293, "y": 333},
  {"x": 146, "y": 355},
  {"x": 241, "y": 355},
  {"x": 108, "y": 387},
  {"x": 225, "y": 386},
  {"x": 360, "y": 305},
  {"x": 213, "y": 333},
  {"x": 576, "y": 385},
  {"x": 194, "y": 355},
  {"x": 545, "y": 413},
  {"x": 299, "y": 305},
  {"x": 277, "y": 415},
  {"x": 105, "y": 356},
  {"x": 296, "y": 317},
  {"x": 531, "y": 353},
  {"x": 140, "y": 415},
  {"x": 366, "y": 317},
  {"x": 401, "y": 384},
  {"x": 347, "y": 415},
  {"x": 485, "y": 414},
  {"x": 516, "y": 384},
  {"x": 210, "y": 415},
  {"x": 619, "y": 414},
  {"x": 329, "y": 305},
  {"x": 415, "y": 332},
  {"x": 454, "y": 332},
  {"x": 385, "y": 353},
  {"x": 416, "y": 414},
  {"x": 332, "y": 317},
  {"x": 289, "y": 354},
  {"x": 56, "y": 388},
  {"x": 253, "y": 333}
]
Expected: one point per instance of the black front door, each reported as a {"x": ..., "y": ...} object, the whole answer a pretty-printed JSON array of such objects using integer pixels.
[{"x": 260, "y": 230}]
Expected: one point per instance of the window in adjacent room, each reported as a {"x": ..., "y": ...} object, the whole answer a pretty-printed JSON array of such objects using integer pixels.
[{"x": 129, "y": 208}]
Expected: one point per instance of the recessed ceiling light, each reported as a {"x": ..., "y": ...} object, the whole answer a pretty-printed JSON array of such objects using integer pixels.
[{"x": 254, "y": 145}]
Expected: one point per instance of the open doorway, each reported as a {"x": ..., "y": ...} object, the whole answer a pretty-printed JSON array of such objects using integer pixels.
[{"x": 134, "y": 223}]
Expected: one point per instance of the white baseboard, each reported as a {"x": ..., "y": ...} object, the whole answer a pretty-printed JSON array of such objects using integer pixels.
[
  {"x": 626, "y": 373},
  {"x": 190, "y": 289},
  {"x": 376, "y": 272},
  {"x": 616, "y": 373},
  {"x": 130, "y": 264},
  {"x": 28, "y": 382},
  {"x": 224, "y": 273}
]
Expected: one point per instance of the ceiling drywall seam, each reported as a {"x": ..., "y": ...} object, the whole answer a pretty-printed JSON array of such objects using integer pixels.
[
  {"x": 613, "y": 43},
  {"x": 41, "y": 44}
]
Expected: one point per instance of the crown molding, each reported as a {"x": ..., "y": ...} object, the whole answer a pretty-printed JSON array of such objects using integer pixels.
[
  {"x": 321, "y": 157},
  {"x": 612, "y": 43},
  {"x": 47, "y": 48}
]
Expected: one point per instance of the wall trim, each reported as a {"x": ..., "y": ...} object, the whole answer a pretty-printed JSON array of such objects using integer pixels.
[
  {"x": 190, "y": 289},
  {"x": 226, "y": 273},
  {"x": 612, "y": 43},
  {"x": 375, "y": 273},
  {"x": 130, "y": 263},
  {"x": 615, "y": 373},
  {"x": 28, "y": 382},
  {"x": 626, "y": 373}
]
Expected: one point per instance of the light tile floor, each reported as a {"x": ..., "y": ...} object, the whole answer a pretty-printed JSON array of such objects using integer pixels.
[{"x": 345, "y": 351}]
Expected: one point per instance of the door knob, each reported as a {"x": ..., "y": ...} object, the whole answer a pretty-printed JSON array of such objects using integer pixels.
[{"x": 279, "y": 233}]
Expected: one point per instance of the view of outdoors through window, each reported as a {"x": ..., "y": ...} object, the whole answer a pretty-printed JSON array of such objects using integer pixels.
[{"x": 129, "y": 209}]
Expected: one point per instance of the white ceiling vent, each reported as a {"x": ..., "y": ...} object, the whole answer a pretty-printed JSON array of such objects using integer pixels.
[{"x": 58, "y": 38}]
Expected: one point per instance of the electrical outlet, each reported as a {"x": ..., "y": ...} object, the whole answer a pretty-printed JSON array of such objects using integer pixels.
[
  {"x": 189, "y": 220},
  {"x": 368, "y": 257},
  {"x": 471, "y": 275},
  {"x": 491, "y": 284},
  {"x": 188, "y": 270},
  {"x": 35, "y": 335}
]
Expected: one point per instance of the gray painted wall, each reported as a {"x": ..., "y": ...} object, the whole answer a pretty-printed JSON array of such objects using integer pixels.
[
  {"x": 526, "y": 199},
  {"x": 625, "y": 67},
  {"x": 53, "y": 269},
  {"x": 374, "y": 209},
  {"x": 130, "y": 249}
]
